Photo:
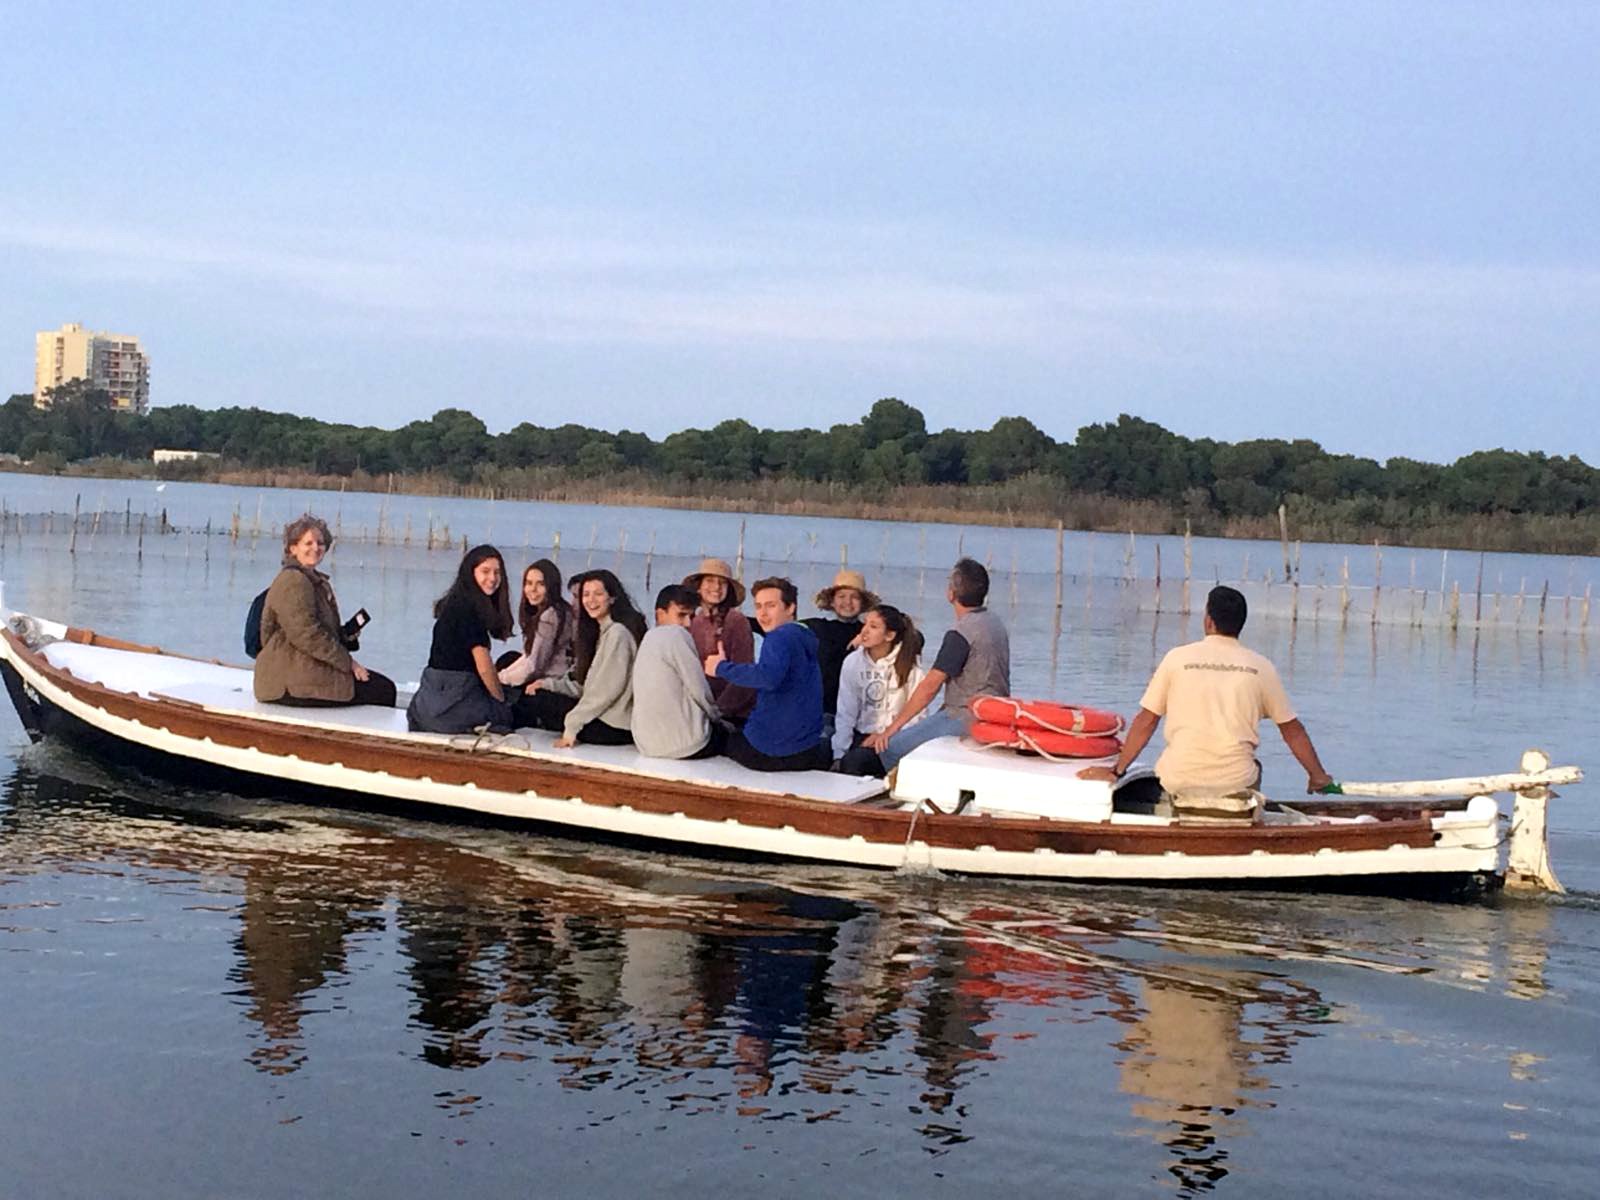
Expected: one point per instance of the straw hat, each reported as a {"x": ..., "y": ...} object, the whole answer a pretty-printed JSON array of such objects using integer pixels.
[
  {"x": 717, "y": 568},
  {"x": 847, "y": 579}
]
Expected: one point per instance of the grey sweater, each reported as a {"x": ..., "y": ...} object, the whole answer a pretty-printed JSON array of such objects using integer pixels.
[
  {"x": 672, "y": 704},
  {"x": 607, "y": 693}
]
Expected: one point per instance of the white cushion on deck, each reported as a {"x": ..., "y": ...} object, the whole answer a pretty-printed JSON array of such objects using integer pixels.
[{"x": 227, "y": 689}]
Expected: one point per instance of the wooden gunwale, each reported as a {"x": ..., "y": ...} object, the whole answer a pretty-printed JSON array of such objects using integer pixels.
[{"x": 596, "y": 785}]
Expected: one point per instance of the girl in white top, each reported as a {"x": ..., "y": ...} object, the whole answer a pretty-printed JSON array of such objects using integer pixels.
[{"x": 875, "y": 682}]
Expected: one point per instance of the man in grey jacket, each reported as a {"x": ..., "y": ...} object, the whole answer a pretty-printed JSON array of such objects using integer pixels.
[{"x": 674, "y": 715}]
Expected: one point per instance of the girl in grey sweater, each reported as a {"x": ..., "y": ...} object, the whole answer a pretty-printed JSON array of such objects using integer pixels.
[{"x": 594, "y": 701}]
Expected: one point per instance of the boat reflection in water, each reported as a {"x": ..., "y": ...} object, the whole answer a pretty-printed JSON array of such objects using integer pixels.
[{"x": 762, "y": 992}]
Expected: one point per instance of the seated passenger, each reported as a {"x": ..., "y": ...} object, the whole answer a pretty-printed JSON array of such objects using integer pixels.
[
  {"x": 460, "y": 690},
  {"x": 305, "y": 650},
  {"x": 594, "y": 701},
  {"x": 784, "y": 732},
  {"x": 846, "y": 599},
  {"x": 874, "y": 685},
  {"x": 548, "y": 624},
  {"x": 1214, "y": 694},
  {"x": 973, "y": 660},
  {"x": 674, "y": 715},
  {"x": 720, "y": 628}
]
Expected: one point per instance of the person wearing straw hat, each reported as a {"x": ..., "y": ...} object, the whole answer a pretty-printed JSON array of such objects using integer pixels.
[
  {"x": 720, "y": 628},
  {"x": 846, "y": 598}
]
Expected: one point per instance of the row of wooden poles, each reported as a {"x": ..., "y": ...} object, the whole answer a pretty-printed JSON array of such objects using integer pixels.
[{"x": 1449, "y": 606}]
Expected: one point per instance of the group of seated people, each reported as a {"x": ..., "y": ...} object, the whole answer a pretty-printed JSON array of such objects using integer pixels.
[{"x": 844, "y": 691}]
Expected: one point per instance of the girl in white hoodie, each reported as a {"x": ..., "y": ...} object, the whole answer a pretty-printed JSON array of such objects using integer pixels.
[{"x": 875, "y": 682}]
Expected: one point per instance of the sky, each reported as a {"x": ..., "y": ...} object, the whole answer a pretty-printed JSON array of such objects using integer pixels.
[{"x": 1370, "y": 224}]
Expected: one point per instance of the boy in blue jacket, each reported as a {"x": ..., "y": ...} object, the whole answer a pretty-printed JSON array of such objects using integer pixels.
[{"x": 784, "y": 732}]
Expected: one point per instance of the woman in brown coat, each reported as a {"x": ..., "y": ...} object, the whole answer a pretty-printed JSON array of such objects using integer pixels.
[{"x": 305, "y": 651}]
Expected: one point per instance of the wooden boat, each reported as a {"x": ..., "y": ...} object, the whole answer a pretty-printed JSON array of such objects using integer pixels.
[{"x": 955, "y": 806}]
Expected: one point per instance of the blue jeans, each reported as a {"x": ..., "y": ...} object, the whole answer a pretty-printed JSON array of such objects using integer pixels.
[{"x": 940, "y": 724}]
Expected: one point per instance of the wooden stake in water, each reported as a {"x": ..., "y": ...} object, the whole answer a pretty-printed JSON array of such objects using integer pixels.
[
  {"x": 1188, "y": 567},
  {"x": 1283, "y": 536},
  {"x": 1377, "y": 578},
  {"x": 1344, "y": 592},
  {"x": 1477, "y": 598},
  {"x": 72, "y": 542},
  {"x": 1544, "y": 597},
  {"x": 555, "y": 548},
  {"x": 1061, "y": 561},
  {"x": 649, "y": 561},
  {"x": 1158, "y": 578},
  {"x": 738, "y": 561}
]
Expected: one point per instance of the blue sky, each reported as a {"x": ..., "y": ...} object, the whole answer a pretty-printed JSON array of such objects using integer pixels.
[{"x": 1369, "y": 224}]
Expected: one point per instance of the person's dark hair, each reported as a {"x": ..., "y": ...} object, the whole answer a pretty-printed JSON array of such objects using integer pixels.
[
  {"x": 623, "y": 612},
  {"x": 296, "y": 529},
  {"x": 907, "y": 639},
  {"x": 1227, "y": 609},
  {"x": 496, "y": 609},
  {"x": 676, "y": 593},
  {"x": 969, "y": 583},
  {"x": 528, "y": 614},
  {"x": 791, "y": 594}
]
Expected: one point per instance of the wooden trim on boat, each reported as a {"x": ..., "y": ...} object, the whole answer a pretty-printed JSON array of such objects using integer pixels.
[{"x": 601, "y": 786}]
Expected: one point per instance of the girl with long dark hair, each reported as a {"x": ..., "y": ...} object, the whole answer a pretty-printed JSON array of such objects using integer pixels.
[
  {"x": 460, "y": 688},
  {"x": 874, "y": 684},
  {"x": 548, "y": 625},
  {"x": 594, "y": 702}
]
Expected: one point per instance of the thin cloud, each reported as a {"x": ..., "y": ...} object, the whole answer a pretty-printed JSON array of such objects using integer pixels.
[{"x": 868, "y": 287}]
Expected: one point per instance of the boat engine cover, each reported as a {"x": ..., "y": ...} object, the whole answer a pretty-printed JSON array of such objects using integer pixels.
[{"x": 955, "y": 771}]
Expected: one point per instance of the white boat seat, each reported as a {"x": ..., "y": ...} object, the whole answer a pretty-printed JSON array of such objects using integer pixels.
[{"x": 219, "y": 688}]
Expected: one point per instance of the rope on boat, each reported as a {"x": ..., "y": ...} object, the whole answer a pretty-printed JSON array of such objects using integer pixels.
[{"x": 483, "y": 736}]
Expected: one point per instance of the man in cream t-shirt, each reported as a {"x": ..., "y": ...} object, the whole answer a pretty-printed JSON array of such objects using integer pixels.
[{"x": 1214, "y": 694}]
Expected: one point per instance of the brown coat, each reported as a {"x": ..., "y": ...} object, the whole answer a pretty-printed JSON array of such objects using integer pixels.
[{"x": 301, "y": 652}]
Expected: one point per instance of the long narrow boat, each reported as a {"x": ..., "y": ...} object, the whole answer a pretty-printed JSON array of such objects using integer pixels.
[{"x": 956, "y": 807}]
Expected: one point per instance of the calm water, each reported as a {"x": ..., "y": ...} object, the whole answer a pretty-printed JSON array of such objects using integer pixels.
[{"x": 202, "y": 995}]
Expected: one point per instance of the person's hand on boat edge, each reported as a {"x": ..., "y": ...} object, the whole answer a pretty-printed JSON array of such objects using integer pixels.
[
  {"x": 1098, "y": 774},
  {"x": 1323, "y": 785},
  {"x": 564, "y": 742},
  {"x": 360, "y": 672}
]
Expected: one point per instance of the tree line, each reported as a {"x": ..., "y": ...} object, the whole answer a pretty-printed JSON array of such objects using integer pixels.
[{"x": 1128, "y": 459}]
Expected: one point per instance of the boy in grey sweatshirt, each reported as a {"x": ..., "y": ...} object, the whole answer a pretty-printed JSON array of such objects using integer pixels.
[{"x": 674, "y": 715}]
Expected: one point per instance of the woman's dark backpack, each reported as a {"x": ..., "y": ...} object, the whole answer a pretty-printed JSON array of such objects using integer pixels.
[{"x": 252, "y": 625}]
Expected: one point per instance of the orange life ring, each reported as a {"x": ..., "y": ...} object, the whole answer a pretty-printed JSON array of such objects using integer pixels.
[
  {"x": 1071, "y": 719},
  {"x": 1045, "y": 741}
]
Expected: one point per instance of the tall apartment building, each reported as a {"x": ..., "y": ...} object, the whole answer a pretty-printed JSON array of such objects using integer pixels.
[{"x": 112, "y": 361}]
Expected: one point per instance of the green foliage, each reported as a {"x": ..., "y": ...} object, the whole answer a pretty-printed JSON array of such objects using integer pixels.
[{"x": 1130, "y": 460}]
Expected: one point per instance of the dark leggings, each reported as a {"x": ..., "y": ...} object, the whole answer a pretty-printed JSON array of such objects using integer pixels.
[
  {"x": 858, "y": 760},
  {"x": 548, "y": 710},
  {"x": 375, "y": 689},
  {"x": 816, "y": 758}
]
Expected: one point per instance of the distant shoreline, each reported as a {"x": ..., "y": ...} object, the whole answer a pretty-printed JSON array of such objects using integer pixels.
[{"x": 1032, "y": 502}]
